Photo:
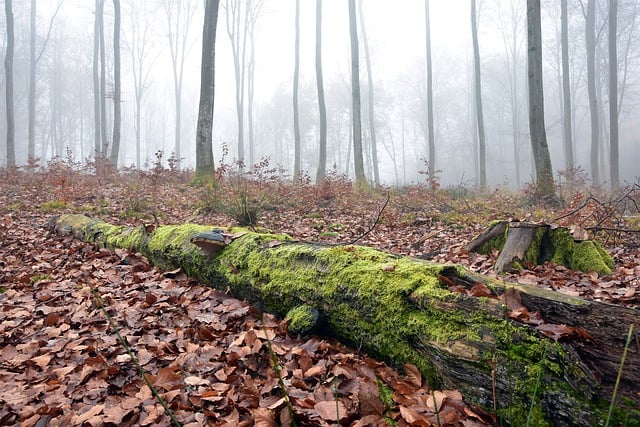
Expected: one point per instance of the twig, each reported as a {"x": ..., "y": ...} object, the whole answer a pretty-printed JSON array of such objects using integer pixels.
[
  {"x": 360, "y": 237},
  {"x": 134, "y": 359}
]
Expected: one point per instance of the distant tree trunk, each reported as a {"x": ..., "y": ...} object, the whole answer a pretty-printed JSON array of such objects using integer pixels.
[
  {"x": 97, "y": 134},
  {"x": 566, "y": 88},
  {"x": 115, "y": 147},
  {"x": 31, "y": 146},
  {"x": 103, "y": 85},
  {"x": 431, "y": 132},
  {"x": 542, "y": 159},
  {"x": 178, "y": 35},
  {"x": 358, "y": 159},
  {"x": 238, "y": 36},
  {"x": 590, "y": 39},
  {"x": 478, "y": 98},
  {"x": 204, "y": 136},
  {"x": 322, "y": 107},
  {"x": 296, "y": 115},
  {"x": 613, "y": 94},
  {"x": 8, "y": 68},
  {"x": 371, "y": 109}
]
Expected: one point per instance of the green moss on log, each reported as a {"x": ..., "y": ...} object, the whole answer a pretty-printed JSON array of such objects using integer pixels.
[{"x": 397, "y": 308}]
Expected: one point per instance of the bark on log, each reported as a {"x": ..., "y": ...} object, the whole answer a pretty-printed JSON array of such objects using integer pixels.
[{"x": 403, "y": 310}]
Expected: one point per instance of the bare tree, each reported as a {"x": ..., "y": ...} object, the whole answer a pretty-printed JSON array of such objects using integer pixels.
[
  {"x": 613, "y": 94},
  {"x": 179, "y": 14},
  {"x": 544, "y": 171},
  {"x": 138, "y": 44},
  {"x": 478, "y": 98},
  {"x": 513, "y": 30},
  {"x": 117, "y": 107},
  {"x": 358, "y": 159},
  {"x": 204, "y": 134},
  {"x": 322, "y": 107},
  {"x": 96, "y": 80},
  {"x": 590, "y": 38},
  {"x": 567, "y": 137},
  {"x": 33, "y": 63},
  {"x": 8, "y": 68},
  {"x": 431, "y": 132},
  {"x": 254, "y": 12},
  {"x": 370, "y": 105},
  {"x": 297, "y": 149},
  {"x": 103, "y": 83}
]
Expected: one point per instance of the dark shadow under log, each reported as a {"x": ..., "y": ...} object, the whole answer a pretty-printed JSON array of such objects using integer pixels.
[{"x": 405, "y": 311}]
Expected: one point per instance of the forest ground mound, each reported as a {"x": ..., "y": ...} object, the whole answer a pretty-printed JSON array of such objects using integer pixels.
[{"x": 60, "y": 358}]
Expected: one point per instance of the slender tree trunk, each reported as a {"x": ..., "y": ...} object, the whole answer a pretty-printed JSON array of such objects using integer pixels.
[
  {"x": 8, "y": 68},
  {"x": 613, "y": 94},
  {"x": 31, "y": 146},
  {"x": 544, "y": 171},
  {"x": 371, "y": 109},
  {"x": 115, "y": 147},
  {"x": 204, "y": 135},
  {"x": 478, "y": 98},
  {"x": 358, "y": 159},
  {"x": 97, "y": 135},
  {"x": 296, "y": 118},
  {"x": 178, "y": 35},
  {"x": 430, "y": 129},
  {"x": 322, "y": 107},
  {"x": 591, "y": 86},
  {"x": 251, "y": 68},
  {"x": 103, "y": 84},
  {"x": 566, "y": 88}
]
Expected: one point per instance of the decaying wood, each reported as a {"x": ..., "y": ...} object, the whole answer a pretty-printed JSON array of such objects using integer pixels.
[
  {"x": 496, "y": 230},
  {"x": 519, "y": 239},
  {"x": 526, "y": 243},
  {"x": 404, "y": 310}
]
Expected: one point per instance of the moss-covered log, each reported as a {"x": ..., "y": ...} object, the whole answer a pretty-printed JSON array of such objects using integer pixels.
[
  {"x": 403, "y": 310},
  {"x": 525, "y": 243}
]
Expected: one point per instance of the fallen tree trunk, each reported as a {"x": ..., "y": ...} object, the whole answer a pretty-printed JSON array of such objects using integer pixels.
[{"x": 410, "y": 311}]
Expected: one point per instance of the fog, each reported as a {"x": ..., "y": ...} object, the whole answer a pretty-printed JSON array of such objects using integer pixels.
[{"x": 396, "y": 39}]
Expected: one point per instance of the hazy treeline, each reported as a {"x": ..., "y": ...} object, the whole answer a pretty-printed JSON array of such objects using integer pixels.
[{"x": 160, "y": 55}]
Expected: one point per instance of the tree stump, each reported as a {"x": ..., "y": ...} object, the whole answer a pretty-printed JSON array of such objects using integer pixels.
[{"x": 524, "y": 244}]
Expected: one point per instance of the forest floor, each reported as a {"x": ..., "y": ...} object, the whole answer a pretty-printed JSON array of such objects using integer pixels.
[{"x": 215, "y": 360}]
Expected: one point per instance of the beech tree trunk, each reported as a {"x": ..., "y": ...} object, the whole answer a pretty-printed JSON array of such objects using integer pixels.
[{"x": 408, "y": 310}]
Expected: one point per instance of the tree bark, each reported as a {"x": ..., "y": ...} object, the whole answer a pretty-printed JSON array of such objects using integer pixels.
[
  {"x": 297, "y": 149},
  {"x": 97, "y": 129},
  {"x": 613, "y": 95},
  {"x": 8, "y": 69},
  {"x": 406, "y": 310},
  {"x": 482, "y": 150},
  {"x": 590, "y": 39},
  {"x": 322, "y": 107},
  {"x": 117, "y": 107},
  {"x": 356, "y": 112},
  {"x": 567, "y": 137},
  {"x": 544, "y": 171},
  {"x": 204, "y": 132},
  {"x": 370, "y": 105},
  {"x": 431, "y": 133}
]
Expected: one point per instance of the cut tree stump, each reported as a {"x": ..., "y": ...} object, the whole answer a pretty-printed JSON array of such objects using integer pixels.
[
  {"x": 523, "y": 244},
  {"x": 457, "y": 327}
]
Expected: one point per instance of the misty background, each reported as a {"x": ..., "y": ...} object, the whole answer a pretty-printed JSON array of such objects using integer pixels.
[{"x": 396, "y": 41}]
